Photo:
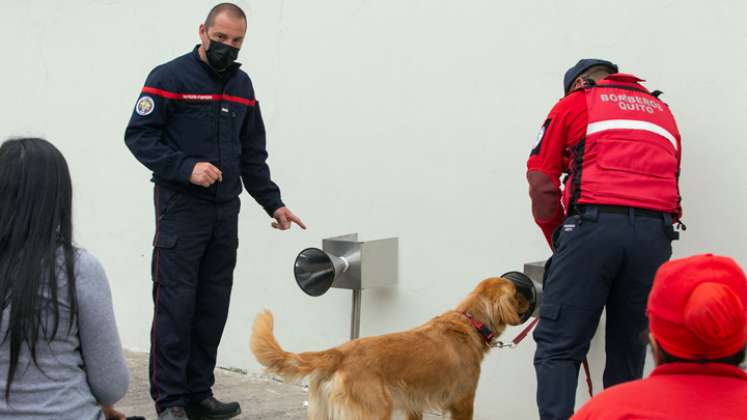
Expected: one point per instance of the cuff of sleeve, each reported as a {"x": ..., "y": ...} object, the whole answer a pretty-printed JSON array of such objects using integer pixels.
[
  {"x": 549, "y": 226},
  {"x": 271, "y": 208},
  {"x": 185, "y": 170}
]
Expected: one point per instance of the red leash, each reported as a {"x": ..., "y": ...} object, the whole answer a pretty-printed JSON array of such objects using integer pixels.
[
  {"x": 585, "y": 363},
  {"x": 523, "y": 334}
]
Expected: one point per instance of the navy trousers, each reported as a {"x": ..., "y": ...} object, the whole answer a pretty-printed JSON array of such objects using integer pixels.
[
  {"x": 194, "y": 254},
  {"x": 601, "y": 259}
]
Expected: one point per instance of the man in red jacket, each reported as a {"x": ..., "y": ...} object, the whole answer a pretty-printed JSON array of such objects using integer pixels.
[
  {"x": 698, "y": 322},
  {"x": 610, "y": 226}
]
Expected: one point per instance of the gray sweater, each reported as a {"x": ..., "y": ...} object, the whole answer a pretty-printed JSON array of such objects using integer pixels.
[{"x": 77, "y": 371}]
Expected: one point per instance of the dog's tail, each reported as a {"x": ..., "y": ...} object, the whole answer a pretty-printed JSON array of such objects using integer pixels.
[{"x": 290, "y": 366}]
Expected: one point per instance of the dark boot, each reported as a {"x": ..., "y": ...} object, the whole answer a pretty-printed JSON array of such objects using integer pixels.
[
  {"x": 173, "y": 413},
  {"x": 212, "y": 409}
]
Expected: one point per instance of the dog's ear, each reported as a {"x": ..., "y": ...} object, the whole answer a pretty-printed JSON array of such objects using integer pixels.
[{"x": 507, "y": 306}]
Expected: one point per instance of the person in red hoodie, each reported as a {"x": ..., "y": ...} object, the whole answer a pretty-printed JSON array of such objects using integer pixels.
[
  {"x": 610, "y": 226},
  {"x": 698, "y": 329}
]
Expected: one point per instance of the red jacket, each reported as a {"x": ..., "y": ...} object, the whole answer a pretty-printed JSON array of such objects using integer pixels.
[
  {"x": 680, "y": 391},
  {"x": 618, "y": 144}
]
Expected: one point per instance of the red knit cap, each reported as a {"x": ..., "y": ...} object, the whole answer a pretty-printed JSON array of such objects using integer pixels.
[{"x": 698, "y": 307}]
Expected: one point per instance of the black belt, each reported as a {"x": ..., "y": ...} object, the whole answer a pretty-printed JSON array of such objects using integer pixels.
[{"x": 619, "y": 210}]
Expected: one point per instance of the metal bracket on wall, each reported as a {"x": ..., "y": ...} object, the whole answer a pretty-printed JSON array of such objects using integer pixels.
[{"x": 345, "y": 262}]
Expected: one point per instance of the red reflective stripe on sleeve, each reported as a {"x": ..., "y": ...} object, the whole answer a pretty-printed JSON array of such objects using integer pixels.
[
  {"x": 159, "y": 92},
  {"x": 243, "y": 101},
  {"x": 198, "y": 96}
]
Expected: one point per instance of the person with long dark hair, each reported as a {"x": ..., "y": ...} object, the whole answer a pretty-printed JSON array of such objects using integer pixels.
[{"x": 60, "y": 353}]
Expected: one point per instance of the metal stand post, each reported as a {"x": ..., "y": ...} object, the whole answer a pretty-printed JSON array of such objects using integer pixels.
[{"x": 355, "y": 317}]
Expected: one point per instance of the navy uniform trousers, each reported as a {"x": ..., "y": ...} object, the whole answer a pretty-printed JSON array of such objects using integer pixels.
[
  {"x": 194, "y": 254},
  {"x": 602, "y": 259}
]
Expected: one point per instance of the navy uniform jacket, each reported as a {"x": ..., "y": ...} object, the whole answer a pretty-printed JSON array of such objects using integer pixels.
[{"x": 188, "y": 113}]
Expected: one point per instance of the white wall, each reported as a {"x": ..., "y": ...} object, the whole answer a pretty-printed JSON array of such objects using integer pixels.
[{"x": 391, "y": 118}]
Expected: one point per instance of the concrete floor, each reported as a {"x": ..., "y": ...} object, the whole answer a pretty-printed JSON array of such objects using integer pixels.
[{"x": 260, "y": 399}]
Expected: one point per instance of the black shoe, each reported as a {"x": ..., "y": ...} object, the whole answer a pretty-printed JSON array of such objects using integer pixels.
[
  {"x": 212, "y": 409},
  {"x": 173, "y": 413}
]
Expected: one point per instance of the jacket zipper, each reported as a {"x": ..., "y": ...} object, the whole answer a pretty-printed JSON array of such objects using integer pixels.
[{"x": 219, "y": 115}]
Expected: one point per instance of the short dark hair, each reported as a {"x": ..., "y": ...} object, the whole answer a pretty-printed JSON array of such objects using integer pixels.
[
  {"x": 233, "y": 11},
  {"x": 735, "y": 359}
]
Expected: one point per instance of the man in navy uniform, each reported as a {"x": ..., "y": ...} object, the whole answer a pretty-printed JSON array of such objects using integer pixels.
[{"x": 197, "y": 125}]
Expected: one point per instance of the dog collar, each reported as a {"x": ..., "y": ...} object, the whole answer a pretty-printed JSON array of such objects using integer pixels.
[{"x": 484, "y": 331}]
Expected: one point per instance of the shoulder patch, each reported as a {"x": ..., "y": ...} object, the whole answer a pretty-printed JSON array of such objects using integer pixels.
[
  {"x": 145, "y": 105},
  {"x": 541, "y": 135}
]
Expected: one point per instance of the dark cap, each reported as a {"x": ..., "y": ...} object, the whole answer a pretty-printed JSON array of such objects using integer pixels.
[{"x": 583, "y": 65}]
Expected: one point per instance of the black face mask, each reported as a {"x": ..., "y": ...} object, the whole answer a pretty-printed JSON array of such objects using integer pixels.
[{"x": 220, "y": 56}]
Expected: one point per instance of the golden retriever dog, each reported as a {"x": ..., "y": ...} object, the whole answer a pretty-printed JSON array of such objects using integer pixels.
[{"x": 435, "y": 366}]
